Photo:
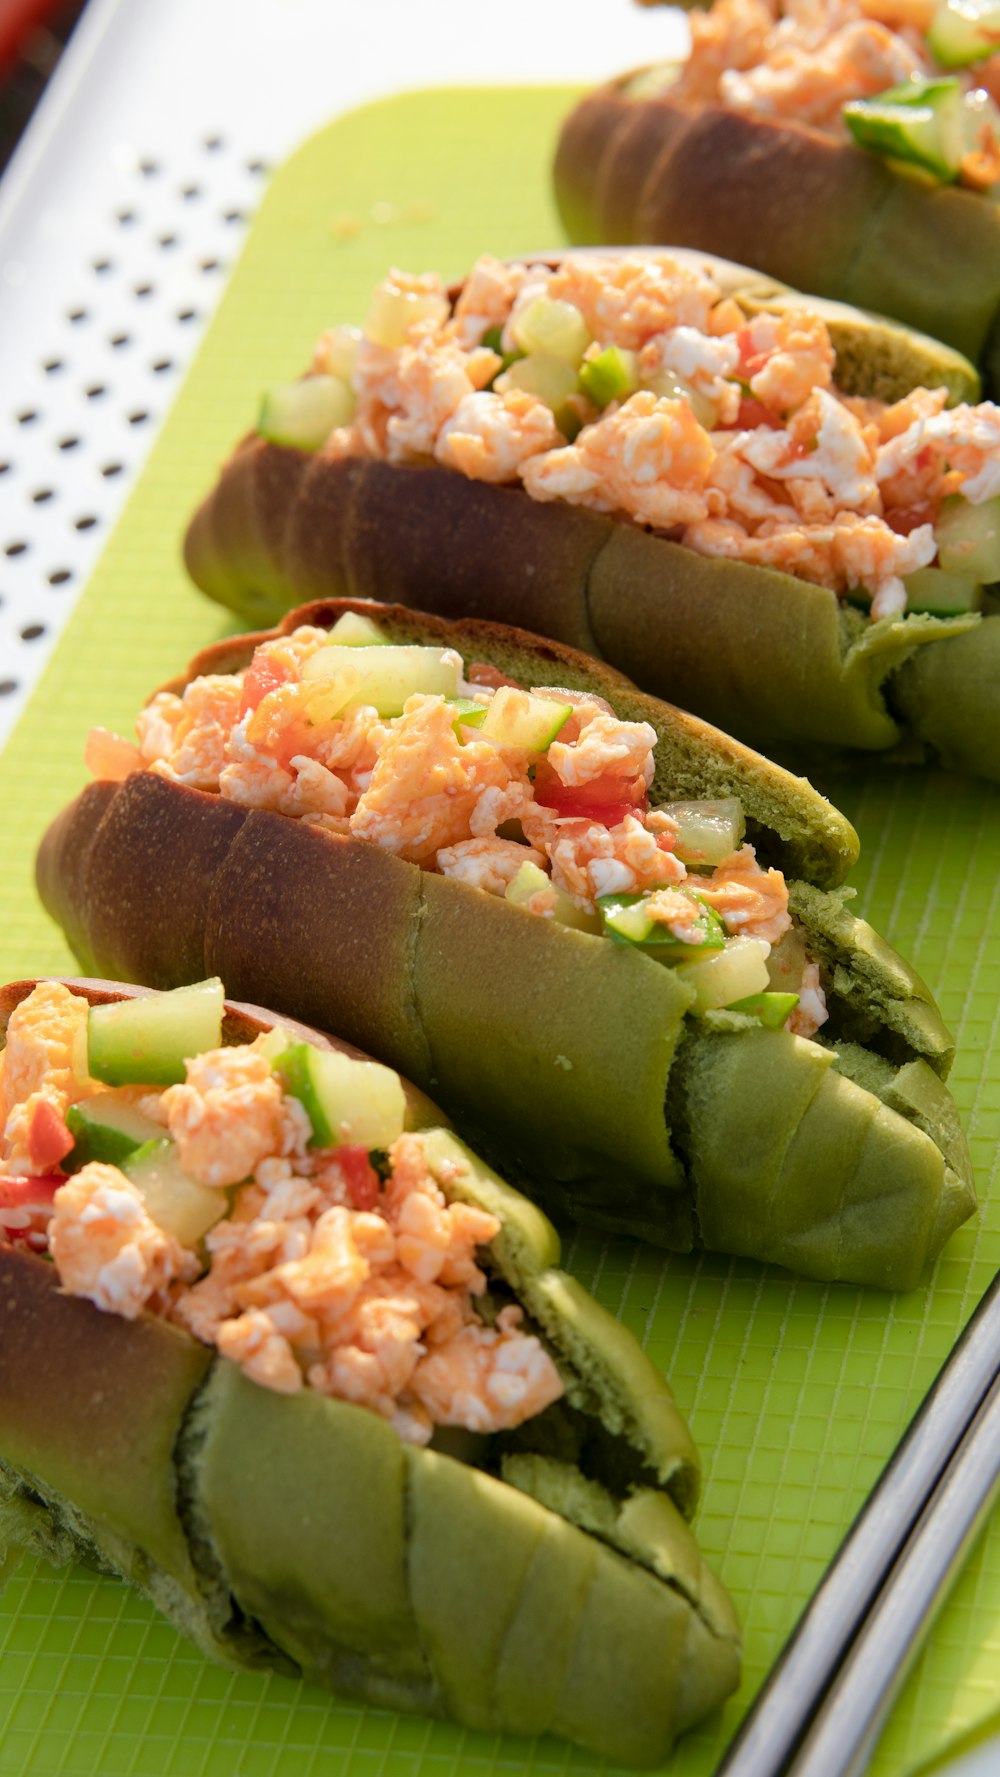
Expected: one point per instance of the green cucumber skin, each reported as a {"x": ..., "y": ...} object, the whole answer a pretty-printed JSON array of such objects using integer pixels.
[
  {"x": 147, "y": 1041},
  {"x": 106, "y": 1131}
]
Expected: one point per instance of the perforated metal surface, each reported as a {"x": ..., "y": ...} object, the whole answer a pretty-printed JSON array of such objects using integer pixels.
[{"x": 78, "y": 422}]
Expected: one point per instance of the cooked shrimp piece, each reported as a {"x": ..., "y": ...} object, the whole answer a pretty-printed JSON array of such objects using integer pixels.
[
  {"x": 230, "y": 1113},
  {"x": 605, "y": 744},
  {"x": 486, "y": 299},
  {"x": 107, "y": 1247},
  {"x": 185, "y": 737},
  {"x": 668, "y": 907},
  {"x": 707, "y": 363},
  {"x": 626, "y": 301},
  {"x": 787, "y": 356},
  {"x": 730, "y": 34},
  {"x": 650, "y": 458},
  {"x": 824, "y": 443},
  {"x": 805, "y": 1019},
  {"x": 812, "y": 83},
  {"x": 487, "y": 1378},
  {"x": 426, "y": 783},
  {"x": 590, "y": 860},
  {"x": 45, "y": 1059},
  {"x": 748, "y": 900},
  {"x": 488, "y": 864},
  {"x": 736, "y": 493},
  {"x": 489, "y": 436},
  {"x": 869, "y": 554},
  {"x": 966, "y": 439},
  {"x": 263, "y": 1354}
]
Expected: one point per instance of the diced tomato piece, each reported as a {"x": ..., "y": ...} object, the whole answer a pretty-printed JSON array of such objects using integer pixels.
[
  {"x": 481, "y": 673},
  {"x": 110, "y": 757},
  {"x": 606, "y": 799},
  {"x": 753, "y": 413},
  {"x": 904, "y": 519},
  {"x": 263, "y": 675},
  {"x": 751, "y": 357},
  {"x": 49, "y": 1140},
  {"x": 22, "y": 1192},
  {"x": 362, "y": 1181}
]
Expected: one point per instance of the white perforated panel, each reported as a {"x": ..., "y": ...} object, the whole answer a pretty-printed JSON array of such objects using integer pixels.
[{"x": 77, "y": 425}]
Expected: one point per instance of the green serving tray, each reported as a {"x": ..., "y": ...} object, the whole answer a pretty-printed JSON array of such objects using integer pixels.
[{"x": 796, "y": 1394}]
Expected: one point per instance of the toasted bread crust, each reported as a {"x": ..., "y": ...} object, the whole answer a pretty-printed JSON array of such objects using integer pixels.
[
  {"x": 753, "y": 650},
  {"x": 673, "y": 170},
  {"x": 561, "y": 1046},
  {"x": 226, "y": 1501}
]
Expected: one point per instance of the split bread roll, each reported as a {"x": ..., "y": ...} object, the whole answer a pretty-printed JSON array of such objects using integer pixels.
[
  {"x": 573, "y": 1057},
  {"x": 504, "y": 1587},
  {"x": 795, "y": 200},
  {"x": 757, "y": 650}
]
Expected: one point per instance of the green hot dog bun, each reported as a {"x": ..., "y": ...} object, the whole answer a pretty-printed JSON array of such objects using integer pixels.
[
  {"x": 508, "y": 1590},
  {"x": 798, "y": 202},
  {"x": 569, "y": 1056},
  {"x": 754, "y": 650}
]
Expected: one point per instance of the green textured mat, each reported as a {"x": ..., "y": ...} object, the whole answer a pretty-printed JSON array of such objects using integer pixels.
[{"x": 796, "y": 1394}]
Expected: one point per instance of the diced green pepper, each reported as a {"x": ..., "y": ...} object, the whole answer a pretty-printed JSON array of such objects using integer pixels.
[
  {"x": 771, "y": 1008},
  {"x": 610, "y": 376},
  {"x": 625, "y": 919}
]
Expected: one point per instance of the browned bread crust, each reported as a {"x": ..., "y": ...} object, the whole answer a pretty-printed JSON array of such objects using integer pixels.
[
  {"x": 559, "y": 1045},
  {"x": 818, "y": 213}
]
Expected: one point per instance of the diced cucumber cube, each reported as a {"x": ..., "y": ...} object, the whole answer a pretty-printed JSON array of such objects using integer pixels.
[
  {"x": 551, "y": 380},
  {"x": 174, "y": 1200},
  {"x": 707, "y": 832},
  {"x": 964, "y": 31},
  {"x": 727, "y": 975},
  {"x": 337, "y": 352},
  {"x": 920, "y": 122},
  {"x": 610, "y": 376},
  {"x": 147, "y": 1041},
  {"x": 772, "y": 1009},
  {"x": 107, "y": 1128},
  {"x": 273, "y": 1044},
  {"x": 787, "y": 961},
  {"x": 350, "y": 1102},
  {"x": 668, "y": 386},
  {"x": 945, "y": 595},
  {"x": 968, "y": 538},
  {"x": 354, "y": 631},
  {"x": 519, "y": 719},
  {"x": 625, "y": 918},
  {"x": 394, "y": 311},
  {"x": 303, "y": 414},
  {"x": 554, "y": 328},
  {"x": 383, "y": 677},
  {"x": 530, "y": 879}
]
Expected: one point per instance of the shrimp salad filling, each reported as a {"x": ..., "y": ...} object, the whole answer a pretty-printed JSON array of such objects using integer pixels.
[
  {"x": 914, "y": 80},
  {"x": 540, "y": 796},
  {"x": 330, "y": 1264},
  {"x": 635, "y": 387}
]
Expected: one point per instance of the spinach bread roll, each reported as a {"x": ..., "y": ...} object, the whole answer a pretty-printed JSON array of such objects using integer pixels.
[
  {"x": 608, "y": 937},
  {"x": 304, "y": 1370},
  {"x": 852, "y": 152},
  {"x": 774, "y": 515}
]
